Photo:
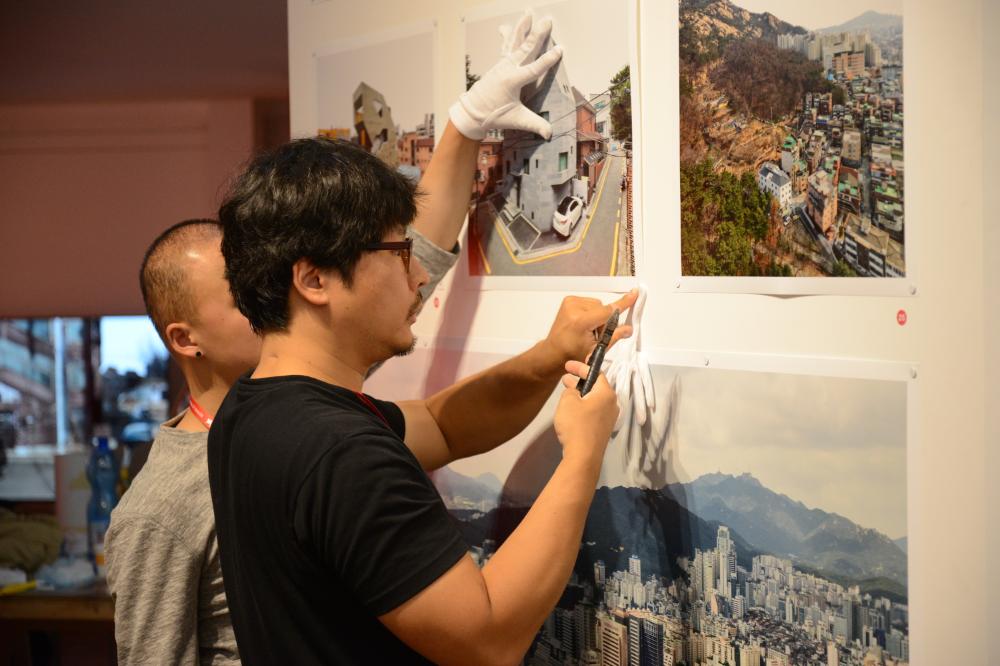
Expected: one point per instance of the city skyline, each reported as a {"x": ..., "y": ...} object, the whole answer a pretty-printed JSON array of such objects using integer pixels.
[
  {"x": 820, "y": 133},
  {"x": 820, "y": 15},
  {"x": 833, "y": 443}
]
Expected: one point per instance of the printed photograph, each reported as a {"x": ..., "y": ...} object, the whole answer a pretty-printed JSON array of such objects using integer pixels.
[
  {"x": 791, "y": 138},
  {"x": 381, "y": 96},
  {"x": 562, "y": 206},
  {"x": 757, "y": 518}
]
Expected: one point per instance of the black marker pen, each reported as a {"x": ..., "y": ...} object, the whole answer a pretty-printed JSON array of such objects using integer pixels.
[{"x": 597, "y": 357}]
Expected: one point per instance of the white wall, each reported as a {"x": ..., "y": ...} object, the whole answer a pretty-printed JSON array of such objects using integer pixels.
[
  {"x": 946, "y": 336},
  {"x": 991, "y": 308}
]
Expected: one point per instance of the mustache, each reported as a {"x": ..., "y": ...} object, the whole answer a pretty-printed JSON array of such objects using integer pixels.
[{"x": 417, "y": 306}]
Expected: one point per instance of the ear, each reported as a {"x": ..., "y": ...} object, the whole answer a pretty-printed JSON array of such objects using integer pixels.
[
  {"x": 311, "y": 283},
  {"x": 179, "y": 340}
]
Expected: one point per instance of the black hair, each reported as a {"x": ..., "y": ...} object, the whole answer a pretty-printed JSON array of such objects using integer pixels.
[
  {"x": 162, "y": 277},
  {"x": 318, "y": 199}
]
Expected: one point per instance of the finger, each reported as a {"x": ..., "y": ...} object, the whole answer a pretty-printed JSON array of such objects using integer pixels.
[
  {"x": 536, "y": 69},
  {"x": 505, "y": 38},
  {"x": 626, "y": 301},
  {"x": 621, "y": 390},
  {"x": 577, "y": 368},
  {"x": 602, "y": 384},
  {"x": 594, "y": 315},
  {"x": 533, "y": 43},
  {"x": 569, "y": 381},
  {"x": 638, "y": 399},
  {"x": 514, "y": 36},
  {"x": 622, "y": 397},
  {"x": 647, "y": 380},
  {"x": 623, "y": 331},
  {"x": 522, "y": 118}
]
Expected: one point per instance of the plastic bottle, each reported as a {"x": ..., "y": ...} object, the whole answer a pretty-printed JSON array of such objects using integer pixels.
[{"x": 102, "y": 471}]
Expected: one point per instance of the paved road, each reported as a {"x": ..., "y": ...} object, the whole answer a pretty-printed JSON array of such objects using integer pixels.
[{"x": 588, "y": 251}]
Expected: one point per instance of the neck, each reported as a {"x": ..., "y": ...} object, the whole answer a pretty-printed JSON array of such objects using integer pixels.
[
  {"x": 285, "y": 354},
  {"x": 208, "y": 390}
]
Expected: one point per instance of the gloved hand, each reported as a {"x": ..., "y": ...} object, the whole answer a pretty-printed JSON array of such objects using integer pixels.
[
  {"x": 628, "y": 372},
  {"x": 494, "y": 101}
]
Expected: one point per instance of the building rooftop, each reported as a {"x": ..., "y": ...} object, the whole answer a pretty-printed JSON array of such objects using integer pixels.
[
  {"x": 821, "y": 182},
  {"x": 875, "y": 239},
  {"x": 582, "y": 135},
  {"x": 773, "y": 172}
]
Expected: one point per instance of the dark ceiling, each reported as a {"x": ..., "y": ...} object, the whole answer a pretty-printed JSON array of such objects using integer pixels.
[{"x": 61, "y": 50}]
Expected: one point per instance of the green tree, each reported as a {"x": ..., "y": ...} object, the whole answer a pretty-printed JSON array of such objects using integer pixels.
[
  {"x": 470, "y": 78},
  {"x": 838, "y": 95},
  {"x": 733, "y": 251},
  {"x": 621, "y": 105},
  {"x": 843, "y": 269}
]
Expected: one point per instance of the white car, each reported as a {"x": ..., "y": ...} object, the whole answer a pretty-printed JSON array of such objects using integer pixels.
[{"x": 568, "y": 213}]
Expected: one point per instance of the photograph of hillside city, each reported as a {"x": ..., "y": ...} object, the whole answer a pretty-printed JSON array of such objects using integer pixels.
[
  {"x": 764, "y": 524},
  {"x": 562, "y": 206},
  {"x": 381, "y": 97},
  {"x": 791, "y": 138}
]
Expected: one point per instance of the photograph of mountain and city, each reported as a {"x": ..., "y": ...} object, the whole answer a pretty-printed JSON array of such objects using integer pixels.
[
  {"x": 562, "y": 206},
  {"x": 381, "y": 96},
  {"x": 761, "y": 522},
  {"x": 791, "y": 138}
]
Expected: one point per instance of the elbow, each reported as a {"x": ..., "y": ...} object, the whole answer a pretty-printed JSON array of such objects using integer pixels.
[
  {"x": 503, "y": 650},
  {"x": 499, "y": 650}
]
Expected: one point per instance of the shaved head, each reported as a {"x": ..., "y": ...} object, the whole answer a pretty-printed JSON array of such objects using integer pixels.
[{"x": 163, "y": 277}]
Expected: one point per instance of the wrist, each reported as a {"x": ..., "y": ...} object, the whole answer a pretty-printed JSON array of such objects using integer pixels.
[
  {"x": 466, "y": 124},
  {"x": 584, "y": 464},
  {"x": 551, "y": 361}
]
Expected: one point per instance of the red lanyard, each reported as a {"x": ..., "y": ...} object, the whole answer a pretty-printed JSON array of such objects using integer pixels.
[
  {"x": 199, "y": 412},
  {"x": 371, "y": 405}
]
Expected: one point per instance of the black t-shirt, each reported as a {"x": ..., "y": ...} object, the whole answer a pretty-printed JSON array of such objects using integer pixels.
[{"x": 325, "y": 521}]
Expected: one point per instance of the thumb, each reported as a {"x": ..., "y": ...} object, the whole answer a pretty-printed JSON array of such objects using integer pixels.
[
  {"x": 638, "y": 397},
  {"x": 521, "y": 117},
  {"x": 647, "y": 382}
]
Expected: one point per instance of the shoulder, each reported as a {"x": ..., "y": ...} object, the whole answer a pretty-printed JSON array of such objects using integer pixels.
[
  {"x": 369, "y": 462},
  {"x": 367, "y": 449},
  {"x": 172, "y": 491}
]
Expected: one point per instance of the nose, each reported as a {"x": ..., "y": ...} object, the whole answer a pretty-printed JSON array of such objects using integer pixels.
[{"x": 418, "y": 274}]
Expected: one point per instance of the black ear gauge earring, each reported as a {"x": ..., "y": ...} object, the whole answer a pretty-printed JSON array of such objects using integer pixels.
[{"x": 198, "y": 354}]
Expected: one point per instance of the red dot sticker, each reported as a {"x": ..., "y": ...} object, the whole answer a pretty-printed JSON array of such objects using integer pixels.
[
  {"x": 901, "y": 317},
  {"x": 437, "y": 302}
]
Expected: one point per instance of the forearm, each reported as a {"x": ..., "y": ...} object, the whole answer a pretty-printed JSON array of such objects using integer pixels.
[
  {"x": 448, "y": 186},
  {"x": 526, "y": 577},
  {"x": 484, "y": 411}
]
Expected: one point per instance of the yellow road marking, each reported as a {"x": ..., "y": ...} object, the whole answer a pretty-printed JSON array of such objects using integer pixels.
[
  {"x": 482, "y": 253},
  {"x": 571, "y": 250},
  {"x": 614, "y": 254}
]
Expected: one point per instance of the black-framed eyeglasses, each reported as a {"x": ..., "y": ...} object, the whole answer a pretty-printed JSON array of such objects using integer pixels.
[{"x": 404, "y": 248}]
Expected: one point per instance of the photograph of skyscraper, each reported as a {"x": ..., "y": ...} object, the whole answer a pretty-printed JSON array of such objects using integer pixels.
[
  {"x": 760, "y": 521},
  {"x": 791, "y": 138}
]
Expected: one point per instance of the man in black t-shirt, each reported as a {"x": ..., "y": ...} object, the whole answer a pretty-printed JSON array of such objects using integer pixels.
[{"x": 335, "y": 546}]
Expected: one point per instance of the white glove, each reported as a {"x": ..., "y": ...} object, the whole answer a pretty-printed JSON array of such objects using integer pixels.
[
  {"x": 494, "y": 101},
  {"x": 627, "y": 370}
]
